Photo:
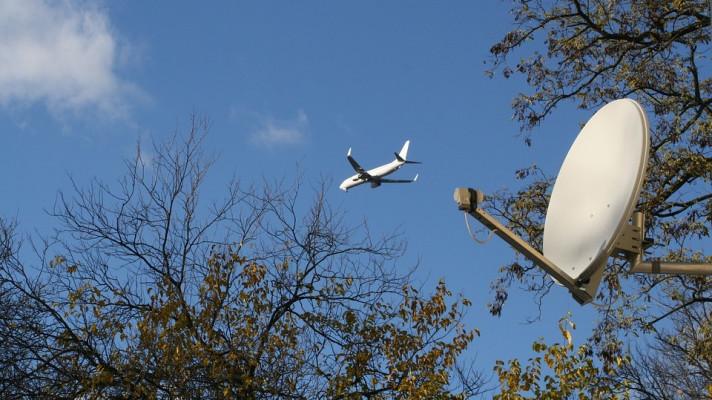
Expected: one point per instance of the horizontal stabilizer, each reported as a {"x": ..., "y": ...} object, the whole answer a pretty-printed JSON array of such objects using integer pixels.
[{"x": 401, "y": 159}]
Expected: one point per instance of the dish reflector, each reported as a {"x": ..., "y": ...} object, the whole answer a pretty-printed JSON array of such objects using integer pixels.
[{"x": 597, "y": 188}]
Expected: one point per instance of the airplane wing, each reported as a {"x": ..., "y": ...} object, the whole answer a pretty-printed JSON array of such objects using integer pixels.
[
  {"x": 399, "y": 180},
  {"x": 362, "y": 172}
]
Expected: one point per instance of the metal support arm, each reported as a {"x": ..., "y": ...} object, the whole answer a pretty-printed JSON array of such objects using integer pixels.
[{"x": 469, "y": 201}]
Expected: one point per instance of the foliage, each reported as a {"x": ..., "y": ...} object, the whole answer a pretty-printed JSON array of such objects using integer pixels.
[
  {"x": 657, "y": 52},
  {"x": 145, "y": 293},
  {"x": 572, "y": 373}
]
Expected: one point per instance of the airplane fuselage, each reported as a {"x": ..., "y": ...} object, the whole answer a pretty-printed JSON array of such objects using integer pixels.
[{"x": 376, "y": 173}]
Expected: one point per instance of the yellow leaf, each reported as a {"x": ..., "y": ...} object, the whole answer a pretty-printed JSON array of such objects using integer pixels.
[{"x": 56, "y": 261}]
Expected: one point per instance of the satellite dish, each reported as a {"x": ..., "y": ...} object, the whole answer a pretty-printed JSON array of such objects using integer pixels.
[
  {"x": 592, "y": 201},
  {"x": 597, "y": 188}
]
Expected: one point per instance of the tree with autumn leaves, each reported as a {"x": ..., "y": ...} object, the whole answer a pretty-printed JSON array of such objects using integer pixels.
[
  {"x": 147, "y": 290},
  {"x": 560, "y": 371},
  {"x": 587, "y": 53}
]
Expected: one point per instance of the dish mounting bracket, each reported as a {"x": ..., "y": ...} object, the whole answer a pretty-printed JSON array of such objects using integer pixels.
[{"x": 631, "y": 245}]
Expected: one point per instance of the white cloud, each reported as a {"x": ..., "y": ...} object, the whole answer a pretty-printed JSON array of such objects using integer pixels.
[
  {"x": 273, "y": 132},
  {"x": 60, "y": 53}
]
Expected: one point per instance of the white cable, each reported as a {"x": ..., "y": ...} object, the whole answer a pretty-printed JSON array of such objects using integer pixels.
[{"x": 472, "y": 235}]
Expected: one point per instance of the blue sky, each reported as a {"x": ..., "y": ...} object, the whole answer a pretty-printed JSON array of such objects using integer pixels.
[{"x": 287, "y": 86}]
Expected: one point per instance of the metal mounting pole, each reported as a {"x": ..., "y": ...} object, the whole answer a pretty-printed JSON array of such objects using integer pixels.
[{"x": 657, "y": 267}]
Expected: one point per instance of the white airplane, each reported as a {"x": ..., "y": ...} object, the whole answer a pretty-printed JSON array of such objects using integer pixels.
[{"x": 375, "y": 176}]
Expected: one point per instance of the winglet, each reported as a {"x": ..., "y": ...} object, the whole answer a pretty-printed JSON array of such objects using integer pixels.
[
  {"x": 348, "y": 154},
  {"x": 416, "y": 178}
]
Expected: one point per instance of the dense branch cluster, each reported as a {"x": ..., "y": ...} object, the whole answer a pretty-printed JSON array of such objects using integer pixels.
[{"x": 147, "y": 291}]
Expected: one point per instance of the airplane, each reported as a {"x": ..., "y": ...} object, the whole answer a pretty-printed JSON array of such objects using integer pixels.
[{"x": 376, "y": 176}]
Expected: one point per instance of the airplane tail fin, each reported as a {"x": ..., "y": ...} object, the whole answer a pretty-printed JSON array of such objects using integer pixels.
[
  {"x": 404, "y": 151},
  {"x": 403, "y": 155}
]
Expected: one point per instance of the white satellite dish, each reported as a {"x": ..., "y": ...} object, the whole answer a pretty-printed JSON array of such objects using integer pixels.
[
  {"x": 597, "y": 188},
  {"x": 591, "y": 204}
]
